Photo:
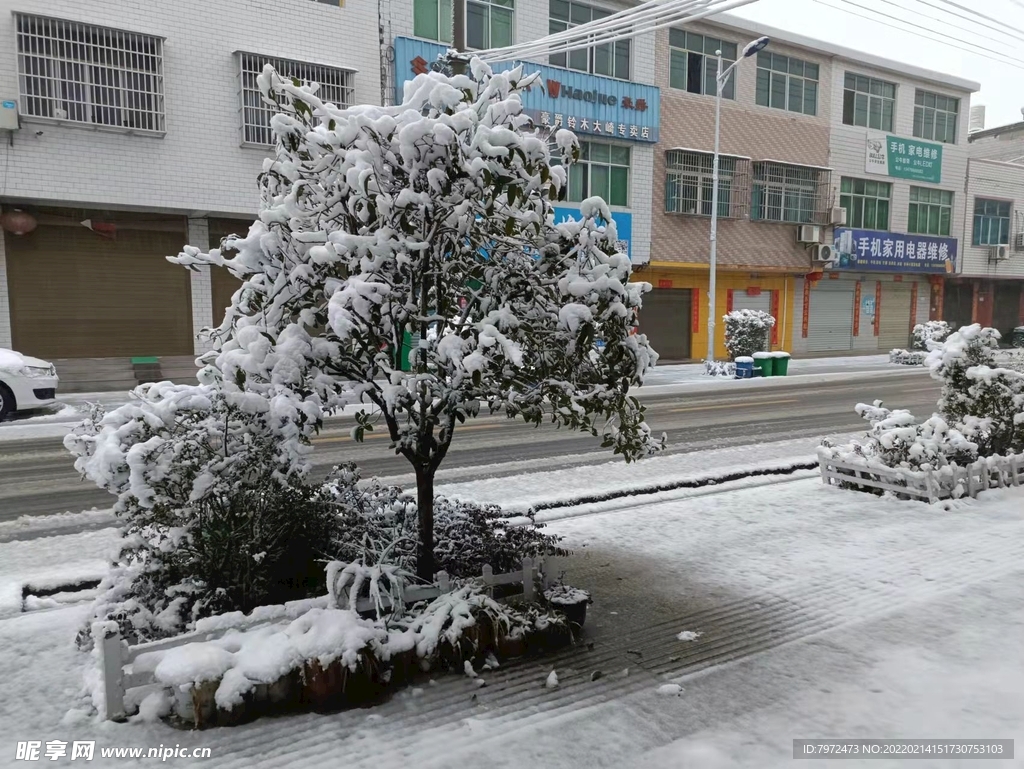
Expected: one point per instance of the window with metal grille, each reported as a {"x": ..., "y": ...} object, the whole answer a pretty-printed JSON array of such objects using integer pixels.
[
  {"x": 432, "y": 19},
  {"x": 787, "y": 83},
  {"x": 788, "y": 193},
  {"x": 87, "y": 74},
  {"x": 866, "y": 203},
  {"x": 868, "y": 102},
  {"x": 489, "y": 23},
  {"x": 693, "y": 65},
  {"x": 334, "y": 86},
  {"x": 603, "y": 169},
  {"x": 930, "y": 211},
  {"x": 991, "y": 222},
  {"x": 689, "y": 183},
  {"x": 611, "y": 59},
  {"x": 935, "y": 116}
]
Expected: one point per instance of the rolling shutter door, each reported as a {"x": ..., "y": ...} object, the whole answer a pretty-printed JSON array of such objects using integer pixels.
[
  {"x": 762, "y": 302},
  {"x": 830, "y": 321},
  {"x": 75, "y": 294},
  {"x": 894, "y": 317},
  {"x": 666, "y": 319}
]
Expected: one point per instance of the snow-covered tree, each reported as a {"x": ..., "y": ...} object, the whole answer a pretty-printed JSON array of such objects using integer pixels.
[
  {"x": 747, "y": 332},
  {"x": 929, "y": 334},
  {"x": 432, "y": 220}
]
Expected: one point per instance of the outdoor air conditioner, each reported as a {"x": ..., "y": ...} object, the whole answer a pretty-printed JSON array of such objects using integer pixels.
[
  {"x": 808, "y": 233},
  {"x": 999, "y": 253},
  {"x": 824, "y": 254},
  {"x": 838, "y": 216},
  {"x": 1018, "y": 241}
]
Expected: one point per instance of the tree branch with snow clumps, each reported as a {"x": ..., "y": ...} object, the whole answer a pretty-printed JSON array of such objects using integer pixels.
[{"x": 432, "y": 220}]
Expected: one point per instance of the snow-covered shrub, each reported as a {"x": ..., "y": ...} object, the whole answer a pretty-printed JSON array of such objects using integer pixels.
[
  {"x": 907, "y": 357},
  {"x": 897, "y": 439},
  {"x": 467, "y": 535},
  {"x": 930, "y": 334},
  {"x": 747, "y": 332},
  {"x": 216, "y": 512},
  {"x": 433, "y": 218},
  {"x": 719, "y": 368}
]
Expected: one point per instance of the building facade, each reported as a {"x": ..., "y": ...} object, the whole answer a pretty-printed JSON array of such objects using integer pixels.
[
  {"x": 825, "y": 193},
  {"x": 139, "y": 129}
]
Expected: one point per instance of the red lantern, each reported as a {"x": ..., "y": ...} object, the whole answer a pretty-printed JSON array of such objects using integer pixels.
[{"x": 17, "y": 222}]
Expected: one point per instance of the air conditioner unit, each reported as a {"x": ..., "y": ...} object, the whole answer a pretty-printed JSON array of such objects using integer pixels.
[
  {"x": 808, "y": 233},
  {"x": 999, "y": 253},
  {"x": 825, "y": 254},
  {"x": 838, "y": 216},
  {"x": 1018, "y": 241}
]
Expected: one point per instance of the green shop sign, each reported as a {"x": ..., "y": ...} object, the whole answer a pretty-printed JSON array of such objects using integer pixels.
[{"x": 903, "y": 158}]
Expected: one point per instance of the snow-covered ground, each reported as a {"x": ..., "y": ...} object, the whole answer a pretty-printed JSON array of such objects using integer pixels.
[{"x": 805, "y": 612}]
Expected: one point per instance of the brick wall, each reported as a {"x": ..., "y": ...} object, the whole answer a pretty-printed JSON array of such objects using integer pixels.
[{"x": 761, "y": 133}]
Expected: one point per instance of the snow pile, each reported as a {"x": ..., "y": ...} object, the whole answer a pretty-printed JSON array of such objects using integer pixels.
[
  {"x": 564, "y": 595},
  {"x": 747, "y": 332},
  {"x": 720, "y": 368},
  {"x": 903, "y": 357}
]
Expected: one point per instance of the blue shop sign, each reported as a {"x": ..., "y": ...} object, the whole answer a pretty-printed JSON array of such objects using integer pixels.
[
  {"x": 623, "y": 226},
  {"x": 590, "y": 105},
  {"x": 874, "y": 251}
]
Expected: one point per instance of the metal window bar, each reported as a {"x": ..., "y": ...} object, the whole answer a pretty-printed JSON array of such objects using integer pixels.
[
  {"x": 82, "y": 73},
  {"x": 333, "y": 85},
  {"x": 689, "y": 187},
  {"x": 791, "y": 193}
]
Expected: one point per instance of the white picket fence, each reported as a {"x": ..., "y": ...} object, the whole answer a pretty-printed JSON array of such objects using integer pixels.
[
  {"x": 117, "y": 657},
  {"x": 927, "y": 486}
]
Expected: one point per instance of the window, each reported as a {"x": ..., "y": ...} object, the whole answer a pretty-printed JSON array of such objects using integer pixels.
[
  {"x": 489, "y": 23},
  {"x": 991, "y": 222},
  {"x": 688, "y": 183},
  {"x": 693, "y": 65},
  {"x": 787, "y": 83},
  {"x": 610, "y": 59},
  {"x": 866, "y": 203},
  {"x": 432, "y": 19},
  {"x": 86, "y": 74},
  {"x": 868, "y": 102},
  {"x": 335, "y": 87},
  {"x": 603, "y": 169},
  {"x": 930, "y": 211},
  {"x": 785, "y": 193},
  {"x": 935, "y": 116}
]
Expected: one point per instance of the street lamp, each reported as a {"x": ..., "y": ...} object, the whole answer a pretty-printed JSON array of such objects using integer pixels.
[{"x": 721, "y": 79}]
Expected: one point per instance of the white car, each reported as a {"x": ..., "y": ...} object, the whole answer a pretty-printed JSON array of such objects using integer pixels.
[{"x": 25, "y": 383}]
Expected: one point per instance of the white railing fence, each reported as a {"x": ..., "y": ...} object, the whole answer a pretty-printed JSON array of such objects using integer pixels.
[{"x": 117, "y": 658}]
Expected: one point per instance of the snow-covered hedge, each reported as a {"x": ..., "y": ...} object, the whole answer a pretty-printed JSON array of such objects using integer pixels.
[
  {"x": 907, "y": 357},
  {"x": 719, "y": 368},
  {"x": 981, "y": 413},
  {"x": 747, "y": 332},
  {"x": 926, "y": 336}
]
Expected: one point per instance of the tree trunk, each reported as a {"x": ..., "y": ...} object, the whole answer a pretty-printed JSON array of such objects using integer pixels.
[{"x": 425, "y": 503}]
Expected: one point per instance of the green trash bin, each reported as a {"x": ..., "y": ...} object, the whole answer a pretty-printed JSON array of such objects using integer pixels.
[
  {"x": 780, "y": 364},
  {"x": 763, "y": 361},
  {"x": 409, "y": 342}
]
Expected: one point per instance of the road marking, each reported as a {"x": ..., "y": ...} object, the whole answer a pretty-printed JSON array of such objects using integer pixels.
[
  {"x": 375, "y": 435},
  {"x": 735, "y": 404}
]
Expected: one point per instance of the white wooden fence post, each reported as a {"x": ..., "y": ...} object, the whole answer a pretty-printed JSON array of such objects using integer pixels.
[
  {"x": 528, "y": 587},
  {"x": 488, "y": 575},
  {"x": 1014, "y": 479},
  {"x": 108, "y": 640},
  {"x": 441, "y": 578}
]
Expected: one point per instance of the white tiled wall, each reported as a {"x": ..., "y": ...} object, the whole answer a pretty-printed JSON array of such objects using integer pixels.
[
  {"x": 1000, "y": 181},
  {"x": 640, "y": 196}
]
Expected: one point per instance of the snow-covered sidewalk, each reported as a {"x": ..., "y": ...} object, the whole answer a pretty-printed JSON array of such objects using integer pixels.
[{"x": 811, "y": 611}]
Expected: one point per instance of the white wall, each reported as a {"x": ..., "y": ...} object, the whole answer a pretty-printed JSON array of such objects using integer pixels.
[
  {"x": 198, "y": 165},
  {"x": 1001, "y": 181},
  {"x": 847, "y": 145},
  {"x": 5, "y": 304}
]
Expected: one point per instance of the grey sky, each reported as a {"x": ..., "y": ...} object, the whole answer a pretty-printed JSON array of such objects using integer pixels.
[{"x": 1002, "y": 84}]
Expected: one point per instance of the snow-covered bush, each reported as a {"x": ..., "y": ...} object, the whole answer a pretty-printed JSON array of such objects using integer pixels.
[
  {"x": 433, "y": 218},
  {"x": 907, "y": 357},
  {"x": 927, "y": 335},
  {"x": 747, "y": 332},
  {"x": 719, "y": 368}
]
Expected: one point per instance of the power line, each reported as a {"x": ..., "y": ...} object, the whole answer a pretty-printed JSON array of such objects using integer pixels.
[{"x": 1001, "y": 27}]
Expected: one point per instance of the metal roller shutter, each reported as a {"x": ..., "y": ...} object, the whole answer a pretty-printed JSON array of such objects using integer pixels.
[
  {"x": 75, "y": 294},
  {"x": 894, "y": 316},
  {"x": 830, "y": 321},
  {"x": 666, "y": 319},
  {"x": 742, "y": 301}
]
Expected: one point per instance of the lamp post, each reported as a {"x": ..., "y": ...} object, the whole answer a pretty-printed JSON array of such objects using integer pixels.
[{"x": 720, "y": 80}]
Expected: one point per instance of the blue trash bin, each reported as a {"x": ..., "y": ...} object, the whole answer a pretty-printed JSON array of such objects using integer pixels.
[{"x": 744, "y": 367}]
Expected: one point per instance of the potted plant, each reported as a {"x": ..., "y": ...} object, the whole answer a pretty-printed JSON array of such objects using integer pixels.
[{"x": 570, "y": 601}]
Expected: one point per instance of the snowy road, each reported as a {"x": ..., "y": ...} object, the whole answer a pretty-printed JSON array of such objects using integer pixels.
[
  {"x": 36, "y": 476},
  {"x": 811, "y": 612}
]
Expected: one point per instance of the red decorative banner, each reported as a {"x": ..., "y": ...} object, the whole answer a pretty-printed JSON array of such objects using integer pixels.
[
  {"x": 878, "y": 305},
  {"x": 728, "y": 300},
  {"x": 897, "y": 278},
  {"x": 833, "y": 276},
  {"x": 913, "y": 306},
  {"x": 753, "y": 291},
  {"x": 775, "y": 314},
  {"x": 664, "y": 283},
  {"x": 807, "y": 308},
  {"x": 856, "y": 309},
  {"x": 695, "y": 304}
]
